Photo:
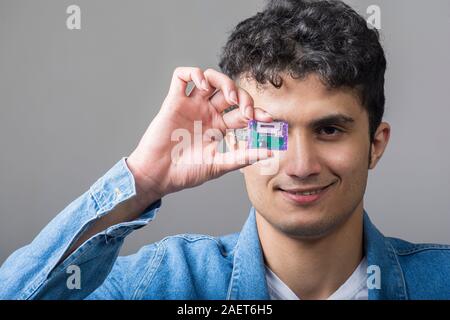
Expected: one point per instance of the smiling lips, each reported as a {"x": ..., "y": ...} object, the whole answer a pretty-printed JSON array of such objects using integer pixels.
[{"x": 305, "y": 195}]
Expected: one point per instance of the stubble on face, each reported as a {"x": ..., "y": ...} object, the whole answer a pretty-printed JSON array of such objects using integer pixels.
[{"x": 312, "y": 159}]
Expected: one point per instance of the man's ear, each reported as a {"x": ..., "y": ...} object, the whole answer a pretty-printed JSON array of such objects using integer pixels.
[{"x": 380, "y": 141}]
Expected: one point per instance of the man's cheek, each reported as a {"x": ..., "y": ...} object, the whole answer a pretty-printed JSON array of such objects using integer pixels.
[
  {"x": 251, "y": 174},
  {"x": 264, "y": 168},
  {"x": 256, "y": 183},
  {"x": 351, "y": 167},
  {"x": 346, "y": 158}
]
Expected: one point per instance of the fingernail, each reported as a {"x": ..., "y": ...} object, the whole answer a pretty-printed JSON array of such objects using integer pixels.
[
  {"x": 249, "y": 112},
  {"x": 267, "y": 114},
  {"x": 204, "y": 85},
  {"x": 233, "y": 97}
]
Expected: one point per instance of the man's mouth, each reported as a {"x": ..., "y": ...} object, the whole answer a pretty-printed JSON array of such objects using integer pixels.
[{"x": 305, "y": 195}]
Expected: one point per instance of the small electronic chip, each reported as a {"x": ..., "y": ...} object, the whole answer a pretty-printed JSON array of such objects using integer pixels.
[{"x": 270, "y": 135}]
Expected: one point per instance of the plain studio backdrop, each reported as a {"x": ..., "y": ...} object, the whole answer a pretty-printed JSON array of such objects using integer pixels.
[{"x": 73, "y": 102}]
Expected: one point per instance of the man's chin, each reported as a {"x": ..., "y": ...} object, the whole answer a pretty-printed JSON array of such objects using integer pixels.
[
  {"x": 311, "y": 223},
  {"x": 306, "y": 229}
]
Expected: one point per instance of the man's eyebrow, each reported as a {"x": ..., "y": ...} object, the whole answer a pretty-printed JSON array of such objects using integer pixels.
[{"x": 332, "y": 119}]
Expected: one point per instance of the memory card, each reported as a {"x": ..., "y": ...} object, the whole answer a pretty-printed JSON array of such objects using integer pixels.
[{"x": 269, "y": 135}]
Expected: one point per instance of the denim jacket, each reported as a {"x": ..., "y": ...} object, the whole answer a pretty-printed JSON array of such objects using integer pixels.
[{"x": 188, "y": 266}]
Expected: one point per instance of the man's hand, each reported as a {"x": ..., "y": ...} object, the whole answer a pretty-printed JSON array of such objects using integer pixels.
[
  {"x": 158, "y": 164},
  {"x": 160, "y": 168}
]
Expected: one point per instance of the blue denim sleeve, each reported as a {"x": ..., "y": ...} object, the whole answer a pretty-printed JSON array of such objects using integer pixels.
[{"x": 33, "y": 272}]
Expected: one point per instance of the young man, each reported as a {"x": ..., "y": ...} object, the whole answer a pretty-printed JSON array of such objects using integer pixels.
[{"x": 313, "y": 64}]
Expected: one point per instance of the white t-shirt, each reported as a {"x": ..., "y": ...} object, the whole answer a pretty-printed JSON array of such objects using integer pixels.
[{"x": 354, "y": 288}]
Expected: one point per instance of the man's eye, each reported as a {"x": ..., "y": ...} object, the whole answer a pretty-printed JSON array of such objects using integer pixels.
[{"x": 329, "y": 131}]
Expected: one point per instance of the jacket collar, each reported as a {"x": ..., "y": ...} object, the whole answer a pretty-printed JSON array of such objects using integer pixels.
[
  {"x": 248, "y": 279},
  {"x": 382, "y": 257}
]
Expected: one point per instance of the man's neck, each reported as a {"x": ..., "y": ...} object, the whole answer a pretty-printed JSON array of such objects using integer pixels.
[{"x": 314, "y": 269}]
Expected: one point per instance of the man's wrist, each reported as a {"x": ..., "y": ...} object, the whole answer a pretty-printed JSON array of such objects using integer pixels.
[{"x": 146, "y": 190}]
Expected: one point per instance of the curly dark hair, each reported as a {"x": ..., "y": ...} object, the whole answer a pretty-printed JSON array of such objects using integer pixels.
[{"x": 300, "y": 37}]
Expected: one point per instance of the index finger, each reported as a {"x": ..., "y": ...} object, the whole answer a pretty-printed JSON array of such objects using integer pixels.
[
  {"x": 221, "y": 81},
  {"x": 183, "y": 75}
]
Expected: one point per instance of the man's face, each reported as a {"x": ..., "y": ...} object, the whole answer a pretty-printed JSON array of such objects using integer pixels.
[{"x": 332, "y": 153}]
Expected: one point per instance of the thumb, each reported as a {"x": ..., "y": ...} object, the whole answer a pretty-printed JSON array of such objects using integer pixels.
[{"x": 240, "y": 158}]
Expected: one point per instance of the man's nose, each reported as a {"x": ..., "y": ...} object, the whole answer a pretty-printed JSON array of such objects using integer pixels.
[{"x": 301, "y": 158}]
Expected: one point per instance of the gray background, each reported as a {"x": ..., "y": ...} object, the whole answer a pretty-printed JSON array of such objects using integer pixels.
[{"x": 72, "y": 103}]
